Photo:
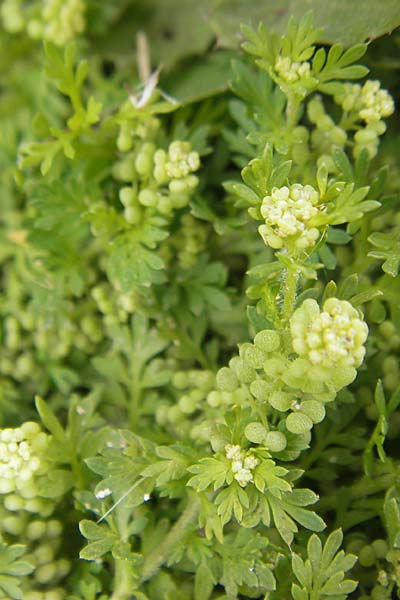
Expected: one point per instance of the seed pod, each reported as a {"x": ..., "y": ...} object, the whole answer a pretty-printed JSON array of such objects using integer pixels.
[
  {"x": 255, "y": 432},
  {"x": 298, "y": 423}
]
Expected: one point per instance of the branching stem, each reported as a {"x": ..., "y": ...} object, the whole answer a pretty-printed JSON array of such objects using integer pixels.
[{"x": 158, "y": 557}]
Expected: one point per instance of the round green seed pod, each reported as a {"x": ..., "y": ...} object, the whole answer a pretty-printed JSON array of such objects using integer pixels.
[
  {"x": 54, "y": 528},
  {"x": 281, "y": 401},
  {"x": 33, "y": 595},
  {"x": 243, "y": 371},
  {"x": 214, "y": 399},
  {"x": 36, "y": 530},
  {"x": 175, "y": 415},
  {"x": 180, "y": 380},
  {"x": 148, "y": 197},
  {"x": 255, "y": 432},
  {"x": 260, "y": 389},
  {"x": 276, "y": 441},
  {"x": 367, "y": 556},
  {"x": 144, "y": 163},
  {"x": 379, "y": 592},
  {"x": 298, "y": 423},
  {"x": 133, "y": 214},
  {"x": 354, "y": 546},
  {"x": 45, "y": 573},
  {"x": 267, "y": 340},
  {"x": 13, "y": 525},
  {"x": 313, "y": 409},
  {"x": 56, "y": 594},
  {"x": 13, "y": 502},
  {"x": 162, "y": 414},
  {"x": 124, "y": 142},
  {"x": 187, "y": 404},
  {"x": 127, "y": 196},
  {"x": 227, "y": 380},
  {"x": 165, "y": 205},
  {"x": 254, "y": 357},
  {"x": 381, "y": 548}
]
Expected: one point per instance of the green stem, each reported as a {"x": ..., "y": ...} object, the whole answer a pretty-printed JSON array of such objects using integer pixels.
[
  {"x": 292, "y": 111},
  {"x": 158, "y": 557},
  {"x": 289, "y": 290},
  {"x": 123, "y": 585},
  {"x": 361, "y": 489}
]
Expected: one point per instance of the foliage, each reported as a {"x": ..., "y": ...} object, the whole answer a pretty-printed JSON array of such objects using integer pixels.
[{"x": 199, "y": 317}]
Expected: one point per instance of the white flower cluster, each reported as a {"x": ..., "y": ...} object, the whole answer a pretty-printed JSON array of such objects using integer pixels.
[
  {"x": 291, "y": 71},
  {"x": 287, "y": 213},
  {"x": 370, "y": 102},
  {"x": 243, "y": 463},
  {"x": 180, "y": 160},
  {"x": 20, "y": 452},
  {"x": 334, "y": 337}
]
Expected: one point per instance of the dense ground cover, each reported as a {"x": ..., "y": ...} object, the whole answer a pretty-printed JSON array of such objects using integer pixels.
[{"x": 200, "y": 322}]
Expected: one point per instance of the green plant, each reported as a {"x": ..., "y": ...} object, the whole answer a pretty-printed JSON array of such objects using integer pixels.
[{"x": 191, "y": 437}]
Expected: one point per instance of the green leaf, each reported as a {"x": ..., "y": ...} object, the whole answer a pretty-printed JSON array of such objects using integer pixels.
[
  {"x": 341, "y": 21},
  {"x": 50, "y": 420}
]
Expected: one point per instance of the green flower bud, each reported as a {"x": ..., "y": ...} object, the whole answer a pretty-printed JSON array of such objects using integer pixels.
[
  {"x": 45, "y": 573},
  {"x": 267, "y": 340},
  {"x": 133, "y": 214},
  {"x": 255, "y": 432},
  {"x": 298, "y": 423},
  {"x": 214, "y": 399},
  {"x": 162, "y": 414},
  {"x": 127, "y": 196},
  {"x": 124, "y": 142},
  {"x": 381, "y": 548},
  {"x": 365, "y": 136},
  {"x": 313, "y": 409},
  {"x": 187, "y": 404},
  {"x": 367, "y": 556},
  {"x": 144, "y": 164},
  {"x": 227, "y": 380},
  {"x": 13, "y": 525},
  {"x": 175, "y": 415},
  {"x": 165, "y": 205},
  {"x": 276, "y": 441},
  {"x": 36, "y": 530},
  {"x": 180, "y": 380},
  {"x": 148, "y": 197}
]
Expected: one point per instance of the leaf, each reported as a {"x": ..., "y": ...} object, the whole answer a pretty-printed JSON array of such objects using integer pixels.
[
  {"x": 342, "y": 21},
  {"x": 50, "y": 420},
  {"x": 13, "y": 570}
]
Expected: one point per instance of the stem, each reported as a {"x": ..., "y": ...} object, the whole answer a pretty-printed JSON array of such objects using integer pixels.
[
  {"x": 123, "y": 585},
  {"x": 292, "y": 111},
  {"x": 289, "y": 289},
  {"x": 361, "y": 489},
  {"x": 158, "y": 557}
]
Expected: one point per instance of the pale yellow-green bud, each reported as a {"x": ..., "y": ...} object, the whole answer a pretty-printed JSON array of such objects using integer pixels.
[
  {"x": 288, "y": 213},
  {"x": 334, "y": 337}
]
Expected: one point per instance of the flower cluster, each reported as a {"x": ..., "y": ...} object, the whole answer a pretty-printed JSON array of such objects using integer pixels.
[
  {"x": 334, "y": 337},
  {"x": 177, "y": 163},
  {"x": 242, "y": 463},
  {"x": 291, "y": 71},
  {"x": 21, "y": 452},
  {"x": 167, "y": 178},
  {"x": 288, "y": 213},
  {"x": 370, "y": 101},
  {"x": 57, "y": 21}
]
